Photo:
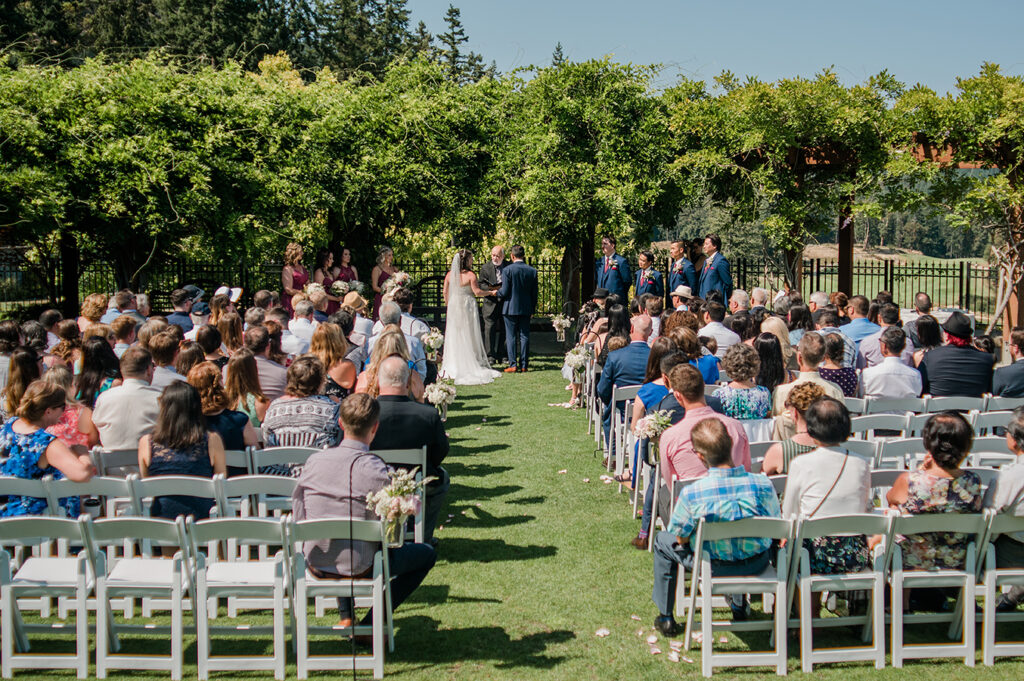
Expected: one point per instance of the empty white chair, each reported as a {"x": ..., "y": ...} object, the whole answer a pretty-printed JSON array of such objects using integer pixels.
[
  {"x": 991, "y": 451},
  {"x": 937, "y": 404},
  {"x": 138, "y": 576},
  {"x": 115, "y": 462},
  {"x": 45, "y": 577},
  {"x": 894, "y": 453},
  {"x": 962, "y": 578},
  {"x": 373, "y": 590},
  {"x": 855, "y": 405},
  {"x": 994, "y": 579},
  {"x": 771, "y": 581},
  {"x": 983, "y": 422},
  {"x": 996, "y": 403},
  {"x": 215, "y": 579},
  {"x": 871, "y": 580},
  {"x": 880, "y": 405}
]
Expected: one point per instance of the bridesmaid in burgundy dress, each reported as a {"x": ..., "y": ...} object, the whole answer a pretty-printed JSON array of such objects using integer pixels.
[
  {"x": 322, "y": 275},
  {"x": 382, "y": 272},
  {"x": 293, "y": 275},
  {"x": 345, "y": 271}
]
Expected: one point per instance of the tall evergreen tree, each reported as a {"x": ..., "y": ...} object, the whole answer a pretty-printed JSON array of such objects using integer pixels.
[
  {"x": 557, "y": 58},
  {"x": 452, "y": 40},
  {"x": 392, "y": 30},
  {"x": 422, "y": 41}
]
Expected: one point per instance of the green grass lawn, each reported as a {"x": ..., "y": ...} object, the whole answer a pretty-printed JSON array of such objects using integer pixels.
[{"x": 533, "y": 562}]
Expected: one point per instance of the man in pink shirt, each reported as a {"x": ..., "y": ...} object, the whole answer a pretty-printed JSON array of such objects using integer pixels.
[{"x": 678, "y": 457}]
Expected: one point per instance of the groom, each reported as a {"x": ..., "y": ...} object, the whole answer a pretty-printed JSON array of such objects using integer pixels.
[{"x": 519, "y": 295}]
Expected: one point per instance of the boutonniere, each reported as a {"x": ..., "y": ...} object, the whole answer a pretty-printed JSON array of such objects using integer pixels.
[{"x": 613, "y": 265}]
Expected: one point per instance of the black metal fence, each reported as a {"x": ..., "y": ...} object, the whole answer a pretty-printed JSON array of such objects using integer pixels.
[{"x": 953, "y": 283}]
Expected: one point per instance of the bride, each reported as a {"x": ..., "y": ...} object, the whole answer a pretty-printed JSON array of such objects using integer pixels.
[{"x": 464, "y": 359}]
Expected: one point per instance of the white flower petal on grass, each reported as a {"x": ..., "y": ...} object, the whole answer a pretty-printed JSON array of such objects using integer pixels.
[
  {"x": 655, "y": 650},
  {"x": 698, "y": 637},
  {"x": 586, "y": 479},
  {"x": 675, "y": 645},
  {"x": 602, "y": 632},
  {"x": 485, "y": 419},
  {"x": 652, "y": 639},
  {"x": 477, "y": 428},
  {"x": 563, "y": 471},
  {"x": 684, "y": 658},
  {"x": 640, "y": 633},
  {"x": 673, "y": 655},
  {"x": 723, "y": 639},
  {"x": 635, "y": 617}
]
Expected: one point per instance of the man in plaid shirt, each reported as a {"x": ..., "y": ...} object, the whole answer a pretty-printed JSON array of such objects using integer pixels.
[{"x": 727, "y": 493}]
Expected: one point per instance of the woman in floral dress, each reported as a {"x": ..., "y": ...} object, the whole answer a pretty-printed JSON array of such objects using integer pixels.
[{"x": 742, "y": 398}]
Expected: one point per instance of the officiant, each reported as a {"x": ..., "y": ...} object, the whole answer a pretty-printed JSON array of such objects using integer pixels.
[{"x": 494, "y": 325}]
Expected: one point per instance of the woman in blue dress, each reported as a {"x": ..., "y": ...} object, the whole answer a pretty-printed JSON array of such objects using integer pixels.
[
  {"x": 27, "y": 451},
  {"x": 650, "y": 393}
]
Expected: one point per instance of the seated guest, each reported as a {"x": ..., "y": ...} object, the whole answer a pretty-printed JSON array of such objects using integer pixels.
[
  {"x": 164, "y": 349},
  {"x": 242, "y": 385},
  {"x": 35, "y": 338},
  {"x": 859, "y": 327},
  {"x": 23, "y": 368},
  {"x": 93, "y": 308},
  {"x": 800, "y": 322},
  {"x": 829, "y": 480},
  {"x": 391, "y": 314},
  {"x": 728, "y": 492},
  {"x": 626, "y": 366},
  {"x": 407, "y": 424},
  {"x": 27, "y": 451},
  {"x": 68, "y": 429},
  {"x": 200, "y": 316},
  {"x": 929, "y": 337},
  {"x": 124, "y": 333},
  {"x": 390, "y": 343},
  {"x": 826, "y": 321},
  {"x": 230, "y": 327},
  {"x": 688, "y": 344},
  {"x": 362, "y": 327},
  {"x": 742, "y": 398},
  {"x": 69, "y": 349},
  {"x": 181, "y": 301},
  {"x": 655, "y": 308},
  {"x": 127, "y": 412},
  {"x": 233, "y": 427},
  {"x": 831, "y": 368},
  {"x": 957, "y": 368},
  {"x": 142, "y": 305},
  {"x": 772, "y": 372},
  {"x": 302, "y": 417},
  {"x": 181, "y": 444},
  {"x": 617, "y": 326},
  {"x": 302, "y": 324},
  {"x": 189, "y": 355},
  {"x": 346, "y": 322},
  {"x": 151, "y": 328},
  {"x": 266, "y": 300},
  {"x": 922, "y": 306},
  {"x": 777, "y": 327},
  {"x": 892, "y": 377},
  {"x": 651, "y": 392},
  {"x": 319, "y": 300},
  {"x": 334, "y": 484},
  {"x": 809, "y": 354},
  {"x": 870, "y": 352},
  {"x": 10, "y": 338},
  {"x": 291, "y": 345},
  {"x": 1006, "y": 495},
  {"x": 210, "y": 341},
  {"x": 330, "y": 347},
  {"x": 273, "y": 376},
  {"x": 678, "y": 456},
  {"x": 939, "y": 485},
  {"x": 778, "y": 457},
  {"x": 714, "y": 315},
  {"x": 1008, "y": 381},
  {"x": 411, "y": 326},
  {"x": 49, "y": 320},
  {"x": 100, "y": 371},
  {"x": 124, "y": 303},
  {"x": 254, "y": 316}
]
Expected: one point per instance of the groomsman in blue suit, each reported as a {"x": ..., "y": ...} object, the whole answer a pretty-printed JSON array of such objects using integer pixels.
[
  {"x": 612, "y": 271},
  {"x": 681, "y": 272},
  {"x": 714, "y": 276},
  {"x": 648, "y": 279}
]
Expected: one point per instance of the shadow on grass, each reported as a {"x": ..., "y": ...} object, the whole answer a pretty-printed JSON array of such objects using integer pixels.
[
  {"x": 475, "y": 644},
  {"x": 460, "y": 550},
  {"x": 477, "y": 517},
  {"x": 463, "y": 493},
  {"x": 455, "y": 468},
  {"x": 458, "y": 420},
  {"x": 484, "y": 449},
  {"x": 441, "y": 593},
  {"x": 527, "y": 501}
]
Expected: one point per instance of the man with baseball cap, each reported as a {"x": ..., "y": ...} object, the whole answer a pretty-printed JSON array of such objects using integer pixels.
[{"x": 957, "y": 368}]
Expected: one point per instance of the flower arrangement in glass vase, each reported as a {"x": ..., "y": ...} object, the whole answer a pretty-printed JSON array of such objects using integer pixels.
[
  {"x": 396, "y": 281},
  {"x": 576, "y": 359},
  {"x": 313, "y": 287},
  {"x": 396, "y": 502},
  {"x": 433, "y": 342},
  {"x": 340, "y": 288},
  {"x": 441, "y": 394},
  {"x": 652, "y": 425},
  {"x": 561, "y": 323}
]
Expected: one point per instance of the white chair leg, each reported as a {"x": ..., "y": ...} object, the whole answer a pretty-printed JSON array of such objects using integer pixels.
[
  {"x": 878, "y": 611},
  {"x": 707, "y": 631},
  {"x": 378, "y": 628},
  {"x": 7, "y": 602},
  {"x": 82, "y": 633},
  {"x": 896, "y": 625},
  {"x": 300, "y": 608},
  {"x": 202, "y": 628},
  {"x": 806, "y": 626},
  {"x": 781, "y": 628},
  {"x": 104, "y": 629},
  {"x": 177, "y": 629},
  {"x": 279, "y": 638},
  {"x": 988, "y": 629},
  {"x": 969, "y": 602}
]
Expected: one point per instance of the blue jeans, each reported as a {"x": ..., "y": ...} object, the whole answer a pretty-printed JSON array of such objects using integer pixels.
[
  {"x": 668, "y": 553},
  {"x": 408, "y": 565}
]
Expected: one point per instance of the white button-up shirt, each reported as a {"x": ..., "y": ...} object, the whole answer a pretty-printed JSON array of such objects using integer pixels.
[
  {"x": 891, "y": 378},
  {"x": 126, "y": 413},
  {"x": 723, "y": 336}
]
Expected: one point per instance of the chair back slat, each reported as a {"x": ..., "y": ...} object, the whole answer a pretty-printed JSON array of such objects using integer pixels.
[
  {"x": 1003, "y": 523},
  {"x": 855, "y": 405},
  {"x": 853, "y": 523},
  {"x": 885, "y": 477},
  {"x": 404, "y": 457},
  {"x": 937, "y": 404},
  {"x": 878, "y": 405},
  {"x": 249, "y": 530},
  {"x": 168, "y": 485},
  {"x": 621, "y": 393},
  {"x": 285, "y": 455},
  {"x": 107, "y": 461},
  {"x": 238, "y": 458},
  {"x": 336, "y": 528},
  {"x": 115, "y": 530},
  {"x": 964, "y": 523},
  {"x": 768, "y": 528},
  {"x": 248, "y": 485},
  {"x": 861, "y": 448},
  {"x": 33, "y": 529},
  {"x": 1000, "y": 403}
]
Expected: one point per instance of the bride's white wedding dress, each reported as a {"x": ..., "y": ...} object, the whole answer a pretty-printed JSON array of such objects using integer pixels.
[{"x": 464, "y": 359}]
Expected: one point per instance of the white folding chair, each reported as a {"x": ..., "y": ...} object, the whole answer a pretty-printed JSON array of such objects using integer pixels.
[
  {"x": 937, "y": 404},
  {"x": 996, "y": 403},
  {"x": 880, "y": 405},
  {"x": 962, "y": 578},
  {"x": 373, "y": 590},
  {"x": 215, "y": 579},
  {"x": 855, "y": 405},
  {"x": 881, "y": 481},
  {"x": 239, "y": 458},
  {"x": 995, "y": 578},
  {"x": 411, "y": 458},
  {"x": 871, "y": 580},
  {"x": 115, "y": 462},
  {"x": 758, "y": 430},
  {"x": 771, "y": 581},
  {"x": 865, "y": 426},
  {"x": 757, "y": 452},
  {"x": 991, "y": 451},
  {"x": 39, "y": 547},
  {"x": 894, "y": 453},
  {"x": 138, "y": 577},
  {"x": 987, "y": 475},
  {"x": 45, "y": 577},
  {"x": 983, "y": 422},
  {"x": 862, "y": 448},
  {"x": 915, "y": 424},
  {"x": 621, "y": 424},
  {"x": 144, "y": 490},
  {"x": 280, "y": 458},
  {"x": 779, "y": 483}
]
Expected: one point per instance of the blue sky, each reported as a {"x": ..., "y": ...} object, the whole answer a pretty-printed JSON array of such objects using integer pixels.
[{"x": 927, "y": 42}]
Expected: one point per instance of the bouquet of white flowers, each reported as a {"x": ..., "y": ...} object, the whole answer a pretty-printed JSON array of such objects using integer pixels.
[
  {"x": 396, "y": 281},
  {"x": 357, "y": 286},
  {"x": 577, "y": 358},
  {"x": 441, "y": 394},
  {"x": 313, "y": 287},
  {"x": 561, "y": 323},
  {"x": 396, "y": 502},
  {"x": 654, "y": 424},
  {"x": 433, "y": 341},
  {"x": 339, "y": 288}
]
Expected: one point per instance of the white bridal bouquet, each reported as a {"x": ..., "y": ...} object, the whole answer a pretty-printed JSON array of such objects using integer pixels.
[
  {"x": 340, "y": 288},
  {"x": 396, "y": 502},
  {"x": 441, "y": 394},
  {"x": 654, "y": 424},
  {"x": 577, "y": 358},
  {"x": 561, "y": 323},
  {"x": 396, "y": 281},
  {"x": 433, "y": 341},
  {"x": 312, "y": 287}
]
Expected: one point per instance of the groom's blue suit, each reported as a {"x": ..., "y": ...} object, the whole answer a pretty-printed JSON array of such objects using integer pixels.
[{"x": 519, "y": 295}]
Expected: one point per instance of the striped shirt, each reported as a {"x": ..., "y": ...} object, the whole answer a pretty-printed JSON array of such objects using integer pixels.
[{"x": 726, "y": 494}]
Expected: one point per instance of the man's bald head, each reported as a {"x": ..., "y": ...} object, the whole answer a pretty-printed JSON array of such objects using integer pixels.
[
  {"x": 640, "y": 328},
  {"x": 393, "y": 376}
]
